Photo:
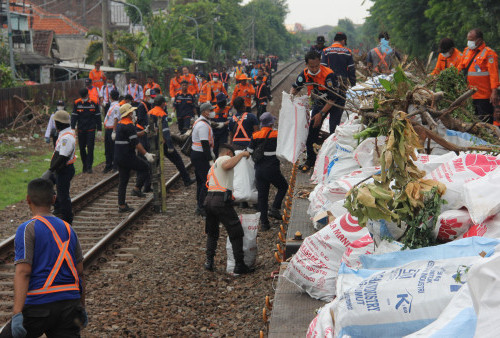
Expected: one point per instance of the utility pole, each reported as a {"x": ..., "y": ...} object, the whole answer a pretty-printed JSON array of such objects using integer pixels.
[
  {"x": 104, "y": 18},
  {"x": 11, "y": 47}
]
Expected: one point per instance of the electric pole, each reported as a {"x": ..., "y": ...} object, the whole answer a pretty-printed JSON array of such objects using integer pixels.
[
  {"x": 11, "y": 46},
  {"x": 104, "y": 18}
]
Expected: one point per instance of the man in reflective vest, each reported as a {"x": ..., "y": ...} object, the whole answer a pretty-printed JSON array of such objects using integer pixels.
[
  {"x": 480, "y": 65},
  {"x": 104, "y": 97},
  {"x": 191, "y": 79},
  {"x": 380, "y": 59},
  {"x": 448, "y": 56},
  {"x": 185, "y": 107},
  {"x": 220, "y": 122},
  {"x": 215, "y": 87},
  {"x": 110, "y": 122},
  {"x": 262, "y": 93},
  {"x": 93, "y": 91},
  {"x": 322, "y": 85},
  {"x": 97, "y": 75},
  {"x": 242, "y": 125},
  {"x": 224, "y": 77},
  {"x": 151, "y": 84},
  {"x": 245, "y": 90},
  {"x": 135, "y": 90},
  {"x": 219, "y": 208},
  {"x": 87, "y": 118},
  {"x": 175, "y": 84},
  {"x": 49, "y": 285}
]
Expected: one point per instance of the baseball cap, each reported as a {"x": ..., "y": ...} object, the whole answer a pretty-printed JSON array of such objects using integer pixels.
[
  {"x": 320, "y": 39},
  {"x": 221, "y": 97},
  {"x": 206, "y": 106},
  {"x": 88, "y": 81},
  {"x": 267, "y": 119}
]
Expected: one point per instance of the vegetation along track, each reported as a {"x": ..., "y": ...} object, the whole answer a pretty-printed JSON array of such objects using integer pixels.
[{"x": 97, "y": 221}]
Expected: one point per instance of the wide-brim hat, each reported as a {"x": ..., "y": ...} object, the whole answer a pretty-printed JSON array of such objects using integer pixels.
[
  {"x": 126, "y": 109},
  {"x": 62, "y": 116},
  {"x": 242, "y": 77}
]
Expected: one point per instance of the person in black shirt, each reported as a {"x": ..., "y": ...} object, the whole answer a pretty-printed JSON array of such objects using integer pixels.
[
  {"x": 86, "y": 117},
  {"x": 262, "y": 93},
  {"x": 185, "y": 107},
  {"x": 319, "y": 46}
]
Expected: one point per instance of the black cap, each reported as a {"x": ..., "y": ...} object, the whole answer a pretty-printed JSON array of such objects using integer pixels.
[
  {"x": 320, "y": 39},
  {"x": 340, "y": 36},
  {"x": 221, "y": 97}
]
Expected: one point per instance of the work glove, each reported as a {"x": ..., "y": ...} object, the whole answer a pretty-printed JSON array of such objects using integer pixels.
[
  {"x": 99, "y": 134},
  {"x": 113, "y": 135},
  {"x": 170, "y": 150},
  {"x": 220, "y": 125},
  {"x": 17, "y": 328},
  {"x": 47, "y": 175},
  {"x": 150, "y": 157},
  {"x": 47, "y": 140},
  {"x": 146, "y": 130}
]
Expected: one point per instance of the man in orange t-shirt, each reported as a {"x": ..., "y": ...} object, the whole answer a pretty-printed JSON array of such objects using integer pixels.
[{"x": 97, "y": 75}]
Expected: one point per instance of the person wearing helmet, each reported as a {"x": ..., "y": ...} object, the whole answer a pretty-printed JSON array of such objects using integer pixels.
[
  {"x": 61, "y": 169},
  {"x": 51, "y": 131},
  {"x": 319, "y": 46}
]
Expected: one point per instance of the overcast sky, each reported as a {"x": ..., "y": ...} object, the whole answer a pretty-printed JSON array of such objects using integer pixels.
[{"x": 315, "y": 13}]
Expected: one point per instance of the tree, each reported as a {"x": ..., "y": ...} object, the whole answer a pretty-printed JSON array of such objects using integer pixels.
[{"x": 143, "y": 5}]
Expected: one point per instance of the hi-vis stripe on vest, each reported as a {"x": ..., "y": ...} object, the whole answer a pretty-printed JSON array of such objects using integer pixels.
[
  {"x": 245, "y": 137},
  {"x": 110, "y": 111},
  {"x": 216, "y": 186},
  {"x": 63, "y": 256},
  {"x": 71, "y": 160},
  {"x": 210, "y": 136}
]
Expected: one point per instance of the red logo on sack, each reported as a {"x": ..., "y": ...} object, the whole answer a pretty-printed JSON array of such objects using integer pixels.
[
  {"x": 476, "y": 230},
  {"x": 446, "y": 229},
  {"x": 362, "y": 242},
  {"x": 481, "y": 164},
  {"x": 349, "y": 223}
]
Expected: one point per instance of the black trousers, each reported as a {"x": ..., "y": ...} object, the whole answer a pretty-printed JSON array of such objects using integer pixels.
[
  {"x": 109, "y": 148},
  {"x": 265, "y": 175},
  {"x": 312, "y": 137},
  {"x": 220, "y": 212},
  {"x": 484, "y": 109},
  {"x": 261, "y": 109},
  {"x": 62, "y": 207},
  {"x": 219, "y": 138},
  {"x": 146, "y": 182},
  {"x": 57, "y": 319},
  {"x": 201, "y": 168},
  {"x": 125, "y": 165},
  {"x": 176, "y": 159},
  {"x": 86, "y": 141},
  {"x": 183, "y": 123}
]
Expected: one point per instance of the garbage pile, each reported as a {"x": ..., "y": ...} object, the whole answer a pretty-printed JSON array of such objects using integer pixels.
[{"x": 407, "y": 208}]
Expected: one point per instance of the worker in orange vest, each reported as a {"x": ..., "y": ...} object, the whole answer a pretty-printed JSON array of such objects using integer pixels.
[
  {"x": 135, "y": 90},
  {"x": 151, "y": 84},
  {"x": 93, "y": 91},
  {"x": 244, "y": 89},
  {"x": 380, "y": 59},
  {"x": 191, "y": 79},
  {"x": 239, "y": 70},
  {"x": 480, "y": 65},
  {"x": 216, "y": 86},
  {"x": 175, "y": 83},
  {"x": 448, "y": 56},
  {"x": 204, "y": 91},
  {"x": 97, "y": 76}
]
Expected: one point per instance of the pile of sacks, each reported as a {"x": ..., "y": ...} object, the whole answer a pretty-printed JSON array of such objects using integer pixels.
[{"x": 373, "y": 287}]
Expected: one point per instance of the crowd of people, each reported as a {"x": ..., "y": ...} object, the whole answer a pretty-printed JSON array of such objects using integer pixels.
[{"x": 222, "y": 129}]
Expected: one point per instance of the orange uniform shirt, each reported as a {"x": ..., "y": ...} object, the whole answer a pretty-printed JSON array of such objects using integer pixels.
[
  {"x": 97, "y": 77},
  {"x": 244, "y": 90},
  {"x": 192, "y": 83},
  {"x": 214, "y": 89},
  {"x": 446, "y": 62}
]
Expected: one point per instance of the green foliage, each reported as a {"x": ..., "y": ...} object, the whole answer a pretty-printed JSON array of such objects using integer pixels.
[
  {"x": 6, "y": 78},
  {"x": 417, "y": 26},
  {"x": 143, "y": 5},
  {"x": 454, "y": 84}
]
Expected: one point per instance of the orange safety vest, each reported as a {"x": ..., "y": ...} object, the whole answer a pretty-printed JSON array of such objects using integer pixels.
[
  {"x": 64, "y": 255},
  {"x": 107, "y": 114},
  {"x": 483, "y": 71},
  {"x": 210, "y": 136},
  {"x": 382, "y": 61},
  {"x": 136, "y": 90},
  {"x": 216, "y": 186},
  {"x": 245, "y": 91},
  {"x": 319, "y": 79},
  {"x": 97, "y": 78},
  {"x": 174, "y": 87},
  {"x": 192, "y": 83},
  {"x": 71, "y": 160},
  {"x": 238, "y": 71},
  {"x": 239, "y": 128},
  {"x": 94, "y": 95},
  {"x": 204, "y": 93},
  {"x": 215, "y": 88},
  {"x": 444, "y": 63}
]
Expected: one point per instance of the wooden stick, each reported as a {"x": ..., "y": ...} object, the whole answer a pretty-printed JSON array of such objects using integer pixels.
[{"x": 461, "y": 99}]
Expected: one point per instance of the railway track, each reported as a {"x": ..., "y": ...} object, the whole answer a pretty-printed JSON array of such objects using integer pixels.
[{"x": 97, "y": 221}]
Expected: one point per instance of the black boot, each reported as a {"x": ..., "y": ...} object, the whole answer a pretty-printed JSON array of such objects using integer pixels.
[
  {"x": 209, "y": 264},
  {"x": 241, "y": 268}
]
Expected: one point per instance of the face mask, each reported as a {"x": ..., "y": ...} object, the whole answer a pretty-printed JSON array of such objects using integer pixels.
[
  {"x": 60, "y": 108},
  {"x": 313, "y": 74},
  {"x": 151, "y": 101},
  {"x": 384, "y": 42},
  {"x": 446, "y": 55},
  {"x": 211, "y": 115},
  {"x": 216, "y": 79},
  {"x": 471, "y": 44}
]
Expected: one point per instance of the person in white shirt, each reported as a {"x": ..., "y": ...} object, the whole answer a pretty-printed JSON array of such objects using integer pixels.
[
  {"x": 135, "y": 90},
  {"x": 51, "y": 131},
  {"x": 61, "y": 169},
  {"x": 219, "y": 208},
  {"x": 110, "y": 122},
  {"x": 104, "y": 98},
  {"x": 202, "y": 152}
]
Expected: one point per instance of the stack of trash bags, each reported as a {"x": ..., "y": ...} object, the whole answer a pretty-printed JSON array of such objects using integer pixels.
[{"x": 375, "y": 289}]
